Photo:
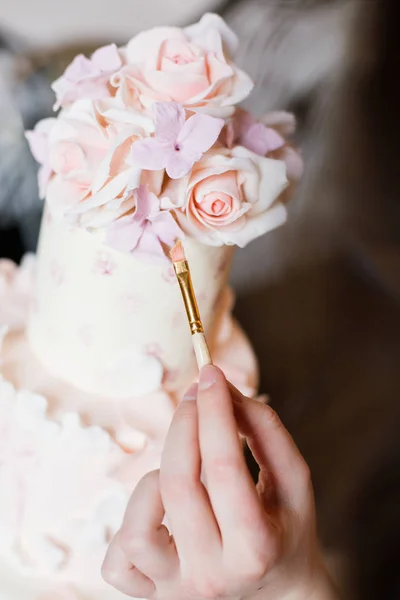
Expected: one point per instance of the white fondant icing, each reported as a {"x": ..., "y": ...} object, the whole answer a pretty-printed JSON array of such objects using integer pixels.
[
  {"x": 133, "y": 373},
  {"x": 128, "y": 304}
]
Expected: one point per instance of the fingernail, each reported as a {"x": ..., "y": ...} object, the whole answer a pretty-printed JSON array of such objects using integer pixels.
[
  {"x": 191, "y": 394},
  {"x": 208, "y": 377}
]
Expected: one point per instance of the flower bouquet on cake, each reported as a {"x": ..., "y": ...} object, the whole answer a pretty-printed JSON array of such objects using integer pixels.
[{"x": 149, "y": 146}]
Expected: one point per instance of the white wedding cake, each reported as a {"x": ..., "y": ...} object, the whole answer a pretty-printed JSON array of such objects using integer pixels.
[{"x": 148, "y": 147}]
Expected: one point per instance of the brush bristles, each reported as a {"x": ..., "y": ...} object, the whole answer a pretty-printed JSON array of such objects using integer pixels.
[{"x": 177, "y": 253}]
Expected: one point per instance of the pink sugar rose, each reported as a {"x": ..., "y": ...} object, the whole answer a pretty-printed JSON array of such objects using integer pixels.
[
  {"x": 88, "y": 156},
  {"x": 192, "y": 66},
  {"x": 231, "y": 197},
  {"x": 88, "y": 77}
]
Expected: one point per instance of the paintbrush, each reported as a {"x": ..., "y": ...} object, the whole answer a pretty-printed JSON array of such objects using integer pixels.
[{"x": 182, "y": 271}]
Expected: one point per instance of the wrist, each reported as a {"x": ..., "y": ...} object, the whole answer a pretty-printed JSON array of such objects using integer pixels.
[{"x": 318, "y": 586}]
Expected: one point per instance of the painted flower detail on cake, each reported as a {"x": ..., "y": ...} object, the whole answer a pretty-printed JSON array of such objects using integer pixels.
[
  {"x": 58, "y": 499},
  {"x": 104, "y": 264},
  {"x": 192, "y": 66},
  {"x": 169, "y": 276},
  {"x": 88, "y": 77},
  {"x": 231, "y": 197},
  {"x": 132, "y": 301},
  {"x": 153, "y": 349},
  {"x": 57, "y": 273},
  {"x": 144, "y": 232},
  {"x": 178, "y": 143}
]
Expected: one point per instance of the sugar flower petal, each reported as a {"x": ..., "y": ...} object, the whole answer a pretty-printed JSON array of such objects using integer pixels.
[{"x": 177, "y": 143}]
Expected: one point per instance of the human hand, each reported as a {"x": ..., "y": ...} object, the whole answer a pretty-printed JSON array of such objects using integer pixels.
[{"x": 229, "y": 538}]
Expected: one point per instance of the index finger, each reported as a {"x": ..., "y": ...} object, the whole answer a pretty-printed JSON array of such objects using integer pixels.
[
  {"x": 231, "y": 489},
  {"x": 274, "y": 450}
]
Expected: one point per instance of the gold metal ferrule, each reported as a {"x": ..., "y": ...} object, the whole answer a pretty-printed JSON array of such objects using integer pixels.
[{"x": 189, "y": 298}]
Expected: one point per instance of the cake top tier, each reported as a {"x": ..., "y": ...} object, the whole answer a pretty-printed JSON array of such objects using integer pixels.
[{"x": 150, "y": 145}]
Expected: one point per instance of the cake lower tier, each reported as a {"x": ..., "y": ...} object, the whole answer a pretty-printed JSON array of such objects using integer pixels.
[{"x": 69, "y": 460}]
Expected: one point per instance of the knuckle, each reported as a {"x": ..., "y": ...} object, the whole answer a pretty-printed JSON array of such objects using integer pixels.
[
  {"x": 256, "y": 566},
  {"x": 304, "y": 474},
  {"x": 133, "y": 545},
  {"x": 177, "y": 486},
  {"x": 271, "y": 417},
  {"x": 225, "y": 468},
  {"x": 109, "y": 574},
  {"x": 258, "y": 556},
  {"x": 209, "y": 588},
  {"x": 186, "y": 411}
]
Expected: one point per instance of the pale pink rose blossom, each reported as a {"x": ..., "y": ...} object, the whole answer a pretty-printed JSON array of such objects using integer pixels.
[
  {"x": 88, "y": 77},
  {"x": 178, "y": 143},
  {"x": 192, "y": 66},
  {"x": 231, "y": 197},
  {"x": 87, "y": 154}
]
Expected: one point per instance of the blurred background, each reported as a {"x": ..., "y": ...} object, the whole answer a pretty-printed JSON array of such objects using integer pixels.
[{"x": 319, "y": 298}]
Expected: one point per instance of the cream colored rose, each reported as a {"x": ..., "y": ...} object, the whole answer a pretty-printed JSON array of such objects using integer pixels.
[
  {"x": 88, "y": 150},
  {"x": 192, "y": 66},
  {"x": 231, "y": 197}
]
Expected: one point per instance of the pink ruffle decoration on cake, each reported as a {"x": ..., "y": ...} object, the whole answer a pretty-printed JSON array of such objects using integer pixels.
[{"x": 68, "y": 460}]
